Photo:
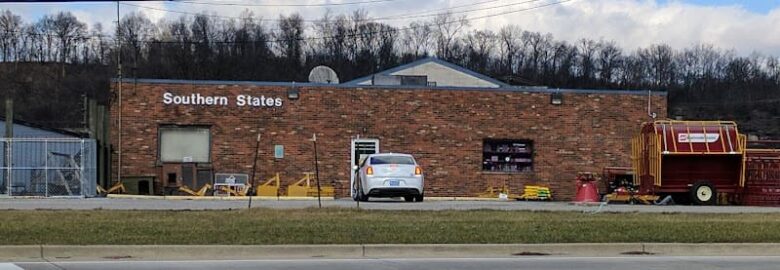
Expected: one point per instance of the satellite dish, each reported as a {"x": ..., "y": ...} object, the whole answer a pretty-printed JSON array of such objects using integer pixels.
[{"x": 323, "y": 74}]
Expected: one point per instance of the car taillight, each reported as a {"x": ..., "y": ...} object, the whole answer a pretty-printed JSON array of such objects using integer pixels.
[
  {"x": 417, "y": 170},
  {"x": 369, "y": 170}
]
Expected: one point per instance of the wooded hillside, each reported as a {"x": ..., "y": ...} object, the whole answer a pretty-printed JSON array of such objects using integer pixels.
[{"x": 47, "y": 65}]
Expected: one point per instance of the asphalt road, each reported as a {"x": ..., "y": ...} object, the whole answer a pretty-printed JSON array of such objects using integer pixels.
[
  {"x": 536, "y": 263},
  {"x": 386, "y": 204}
]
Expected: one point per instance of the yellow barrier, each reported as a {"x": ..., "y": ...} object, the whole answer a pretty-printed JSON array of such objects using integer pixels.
[
  {"x": 270, "y": 187},
  {"x": 200, "y": 193},
  {"x": 492, "y": 192},
  {"x": 303, "y": 188},
  {"x": 118, "y": 186}
]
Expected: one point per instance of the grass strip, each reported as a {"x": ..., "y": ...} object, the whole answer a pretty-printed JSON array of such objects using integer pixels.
[{"x": 348, "y": 226}]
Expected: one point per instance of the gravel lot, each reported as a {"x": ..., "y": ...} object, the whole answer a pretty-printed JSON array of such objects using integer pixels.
[{"x": 389, "y": 204}]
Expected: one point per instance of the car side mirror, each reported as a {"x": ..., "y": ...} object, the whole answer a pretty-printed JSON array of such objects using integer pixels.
[{"x": 355, "y": 168}]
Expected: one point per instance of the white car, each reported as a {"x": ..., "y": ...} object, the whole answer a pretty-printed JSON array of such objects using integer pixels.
[{"x": 388, "y": 175}]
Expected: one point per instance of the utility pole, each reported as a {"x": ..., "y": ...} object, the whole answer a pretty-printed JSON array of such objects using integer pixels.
[
  {"x": 119, "y": 86},
  {"x": 317, "y": 170}
]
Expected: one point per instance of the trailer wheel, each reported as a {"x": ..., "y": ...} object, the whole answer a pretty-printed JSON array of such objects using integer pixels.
[{"x": 703, "y": 193}]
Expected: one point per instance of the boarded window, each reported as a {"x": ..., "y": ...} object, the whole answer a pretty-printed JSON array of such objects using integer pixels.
[
  {"x": 507, "y": 155},
  {"x": 184, "y": 144}
]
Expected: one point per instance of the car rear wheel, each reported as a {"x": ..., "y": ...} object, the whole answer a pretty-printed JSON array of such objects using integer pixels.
[
  {"x": 419, "y": 198},
  {"x": 409, "y": 198},
  {"x": 361, "y": 196},
  {"x": 703, "y": 193},
  {"x": 357, "y": 192}
]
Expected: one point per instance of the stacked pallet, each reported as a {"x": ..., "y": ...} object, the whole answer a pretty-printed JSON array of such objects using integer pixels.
[{"x": 533, "y": 192}]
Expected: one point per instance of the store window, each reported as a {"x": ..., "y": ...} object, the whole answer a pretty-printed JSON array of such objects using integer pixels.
[
  {"x": 507, "y": 155},
  {"x": 184, "y": 144}
]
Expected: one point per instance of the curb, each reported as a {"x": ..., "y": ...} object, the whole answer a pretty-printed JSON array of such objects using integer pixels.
[
  {"x": 214, "y": 198},
  {"x": 272, "y": 198},
  {"x": 21, "y": 253},
  {"x": 500, "y": 250},
  {"x": 244, "y": 252},
  {"x": 725, "y": 249},
  {"x": 198, "y": 252}
]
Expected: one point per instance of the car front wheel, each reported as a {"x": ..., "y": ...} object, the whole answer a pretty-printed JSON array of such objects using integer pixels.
[{"x": 419, "y": 198}]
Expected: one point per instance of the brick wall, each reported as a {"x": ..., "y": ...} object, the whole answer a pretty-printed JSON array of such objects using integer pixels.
[{"x": 444, "y": 129}]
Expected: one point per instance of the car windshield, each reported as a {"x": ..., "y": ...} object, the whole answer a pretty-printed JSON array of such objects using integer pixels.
[{"x": 392, "y": 160}]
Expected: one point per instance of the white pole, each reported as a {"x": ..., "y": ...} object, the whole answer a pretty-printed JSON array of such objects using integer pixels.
[
  {"x": 46, "y": 168},
  {"x": 119, "y": 75}
]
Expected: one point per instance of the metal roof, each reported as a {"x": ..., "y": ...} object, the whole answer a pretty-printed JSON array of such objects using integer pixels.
[
  {"x": 514, "y": 89},
  {"x": 429, "y": 60},
  {"x": 23, "y": 129}
]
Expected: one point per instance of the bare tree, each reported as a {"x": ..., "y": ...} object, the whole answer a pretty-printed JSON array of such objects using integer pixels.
[
  {"x": 587, "y": 59},
  {"x": 660, "y": 64},
  {"x": 134, "y": 29},
  {"x": 509, "y": 37},
  {"x": 289, "y": 43},
  {"x": 480, "y": 45},
  {"x": 386, "y": 53},
  {"x": 68, "y": 29},
  {"x": 10, "y": 30},
  {"x": 447, "y": 29},
  {"x": 609, "y": 57},
  {"x": 563, "y": 62},
  {"x": 417, "y": 38},
  {"x": 535, "y": 47}
]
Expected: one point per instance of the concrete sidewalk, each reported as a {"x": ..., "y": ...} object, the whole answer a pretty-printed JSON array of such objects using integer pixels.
[{"x": 248, "y": 252}]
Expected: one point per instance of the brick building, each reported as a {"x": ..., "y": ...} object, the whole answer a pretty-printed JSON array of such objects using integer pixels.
[{"x": 182, "y": 132}]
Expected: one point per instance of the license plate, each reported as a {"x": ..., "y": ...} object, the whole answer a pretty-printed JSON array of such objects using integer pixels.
[{"x": 393, "y": 183}]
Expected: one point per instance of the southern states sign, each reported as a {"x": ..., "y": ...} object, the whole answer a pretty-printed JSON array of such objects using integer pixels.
[
  {"x": 697, "y": 137},
  {"x": 241, "y": 100}
]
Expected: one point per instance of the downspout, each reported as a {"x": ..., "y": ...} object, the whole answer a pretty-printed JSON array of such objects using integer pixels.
[{"x": 651, "y": 114}]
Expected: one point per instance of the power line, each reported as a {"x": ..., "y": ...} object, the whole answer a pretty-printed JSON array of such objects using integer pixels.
[
  {"x": 421, "y": 14},
  {"x": 286, "y": 5},
  {"x": 443, "y": 9},
  {"x": 390, "y": 30},
  {"x": 521, "y": 10},
  {"x": 198, "y": 14},
  {"x": 453, "y": 12},
  {"x": 340, "y": 4}
]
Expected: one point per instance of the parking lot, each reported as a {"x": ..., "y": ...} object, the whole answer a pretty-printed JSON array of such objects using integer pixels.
[{"x": 375, "y": 204}]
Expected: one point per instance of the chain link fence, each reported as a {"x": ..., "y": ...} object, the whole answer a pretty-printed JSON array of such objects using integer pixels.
[{"x": 48, "y": 167}]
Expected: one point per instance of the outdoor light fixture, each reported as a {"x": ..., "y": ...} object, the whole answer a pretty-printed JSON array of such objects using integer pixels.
[
  {"x": 556, "y": 98},
  {"x": 292, "y": 93}
]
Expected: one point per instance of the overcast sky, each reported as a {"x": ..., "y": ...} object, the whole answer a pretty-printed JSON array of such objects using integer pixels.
[{"x": 747, "y": 26}]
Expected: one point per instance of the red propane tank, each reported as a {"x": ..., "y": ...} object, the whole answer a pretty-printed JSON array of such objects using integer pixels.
[{"x": 586, "y": 188}]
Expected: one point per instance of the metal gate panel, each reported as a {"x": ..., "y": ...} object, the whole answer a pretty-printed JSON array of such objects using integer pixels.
[{"x": 48, "y": 167}]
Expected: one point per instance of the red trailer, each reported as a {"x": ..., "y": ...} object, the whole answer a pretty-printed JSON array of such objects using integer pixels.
[{"x": 690, "y": 160}]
